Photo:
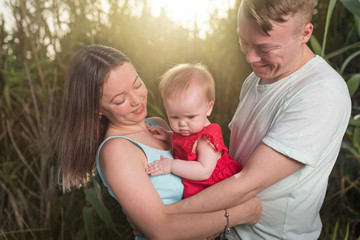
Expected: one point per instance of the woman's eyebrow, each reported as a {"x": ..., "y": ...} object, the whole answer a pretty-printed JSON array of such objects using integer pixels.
[{"x": 136, "y": 78}]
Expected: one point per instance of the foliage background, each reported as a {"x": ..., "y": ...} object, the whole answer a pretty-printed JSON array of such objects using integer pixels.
[{"x": 33, "y": 62}]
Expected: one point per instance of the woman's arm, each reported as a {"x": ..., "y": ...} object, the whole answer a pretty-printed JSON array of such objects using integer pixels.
[
  {"x": 125, "y": 175},
  {"x": 194, "y": 170},
  {"x": 264, "y": 168}
]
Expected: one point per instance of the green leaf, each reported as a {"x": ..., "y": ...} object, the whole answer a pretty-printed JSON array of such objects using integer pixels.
[
  {"x": 355, "y": 122},
  {"x": 315, "y": 45},
  {"x": 352, "y": 5},
  {"x": 93, "y": 195},
  {"x": 6, "y": 94},
  {"x": 342, "y": 50},
  {"x": 335, "y": 230},
  {"x": 357, "y": 24},
  {"x": 350, "y": 148},
  {"x": 353, "y": 84},
  {"x": 356, "y": 138},
  {"x": 327, "y": 23},
  {"x": 88, "y": 215},
  {"x": 347, "y": 231},
  {"x": 348, "y": 60},
  {"x": 80, "y": 234}
]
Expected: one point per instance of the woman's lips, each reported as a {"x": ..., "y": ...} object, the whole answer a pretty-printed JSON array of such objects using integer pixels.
[{"x": 140, "y": 109}]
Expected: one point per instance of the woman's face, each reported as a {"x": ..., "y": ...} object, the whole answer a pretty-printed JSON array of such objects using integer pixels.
[{"x": 124, "y": 96}]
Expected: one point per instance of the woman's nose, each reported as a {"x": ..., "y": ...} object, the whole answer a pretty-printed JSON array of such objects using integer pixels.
[{"x": 135, "y": 99}]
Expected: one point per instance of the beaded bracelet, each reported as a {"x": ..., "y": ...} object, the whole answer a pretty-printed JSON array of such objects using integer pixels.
[{"x": 227, "y": 227}]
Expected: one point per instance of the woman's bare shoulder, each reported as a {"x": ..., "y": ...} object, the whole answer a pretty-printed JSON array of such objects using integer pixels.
[{"x": 121, "y": 149}]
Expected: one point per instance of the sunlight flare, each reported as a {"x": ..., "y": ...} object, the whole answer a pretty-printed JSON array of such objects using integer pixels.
[{"x": 189, "y": 12}]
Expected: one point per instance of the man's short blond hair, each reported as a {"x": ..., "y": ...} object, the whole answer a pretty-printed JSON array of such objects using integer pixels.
[{"x": 263, "y": 11}]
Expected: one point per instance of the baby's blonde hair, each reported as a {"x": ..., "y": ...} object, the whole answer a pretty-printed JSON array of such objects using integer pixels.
[{"x": 180, "y": 77}]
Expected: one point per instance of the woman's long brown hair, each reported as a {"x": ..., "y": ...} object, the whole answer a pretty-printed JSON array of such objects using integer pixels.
[{"x": 81, "y": 129}]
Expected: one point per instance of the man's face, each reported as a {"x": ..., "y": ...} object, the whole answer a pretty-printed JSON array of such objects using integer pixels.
[{"x": 272, "y": 57}]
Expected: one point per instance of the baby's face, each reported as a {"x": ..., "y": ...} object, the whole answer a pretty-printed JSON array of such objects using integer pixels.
[{"x": 188, "y": 112}]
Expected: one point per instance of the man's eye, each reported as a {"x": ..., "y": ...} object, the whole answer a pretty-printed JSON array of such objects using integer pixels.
[
  {"x": 265, "y": 51},
  {"x": 242, "y": 43}
]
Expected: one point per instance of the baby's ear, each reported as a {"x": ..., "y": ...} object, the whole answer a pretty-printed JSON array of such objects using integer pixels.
[{"x": 210, "y": 108}]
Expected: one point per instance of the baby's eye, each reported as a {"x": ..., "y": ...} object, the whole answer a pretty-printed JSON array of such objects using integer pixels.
[
  {"x": 191, "y": 117},
  {"x": 174, "y": 117}
]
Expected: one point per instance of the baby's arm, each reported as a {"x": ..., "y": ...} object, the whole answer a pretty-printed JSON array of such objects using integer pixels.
[{"x": 192, "y": 170}]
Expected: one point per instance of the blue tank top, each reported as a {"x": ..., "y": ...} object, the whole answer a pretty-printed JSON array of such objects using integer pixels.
[{"x": 169, "y": 186}]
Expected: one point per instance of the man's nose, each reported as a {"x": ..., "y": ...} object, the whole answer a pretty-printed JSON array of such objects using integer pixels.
[{"x": 251, "y": 55}]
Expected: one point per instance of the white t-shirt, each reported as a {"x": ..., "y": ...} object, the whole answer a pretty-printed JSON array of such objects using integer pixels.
[{"x": 303, "y": 116}]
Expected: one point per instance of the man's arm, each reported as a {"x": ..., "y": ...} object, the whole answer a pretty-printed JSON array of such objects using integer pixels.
[{"x": 264, "y": 168}]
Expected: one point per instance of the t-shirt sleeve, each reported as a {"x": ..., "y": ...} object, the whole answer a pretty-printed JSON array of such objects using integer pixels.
[{"x": 308, "y": 122}]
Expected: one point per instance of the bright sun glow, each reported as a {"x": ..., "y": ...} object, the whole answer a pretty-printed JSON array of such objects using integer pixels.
[
  {"x": 186, "y": 12},
  {"x": 183, "y": 12}
]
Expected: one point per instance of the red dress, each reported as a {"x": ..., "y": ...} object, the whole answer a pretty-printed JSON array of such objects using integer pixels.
[{"x": 225, "y": 167}]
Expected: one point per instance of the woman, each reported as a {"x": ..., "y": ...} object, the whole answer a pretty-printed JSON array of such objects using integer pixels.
[{"x": 105, "y": 99}]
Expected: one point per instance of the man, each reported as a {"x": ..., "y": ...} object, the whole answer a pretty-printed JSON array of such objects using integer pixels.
[{"x": 288, "y": 127}]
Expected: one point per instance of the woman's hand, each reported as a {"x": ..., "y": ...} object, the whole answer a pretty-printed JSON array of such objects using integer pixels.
[{"x": 248, "y": 212}]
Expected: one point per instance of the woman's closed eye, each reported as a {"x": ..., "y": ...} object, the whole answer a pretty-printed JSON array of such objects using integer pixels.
[
  {"x": 117, "y": 103},
  {"x": 139, "y": 85}
]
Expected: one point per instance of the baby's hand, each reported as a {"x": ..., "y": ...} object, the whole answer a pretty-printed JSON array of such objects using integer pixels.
[
  {"x": 160, "y": 133},
  {"x": 159, "y": 167}
]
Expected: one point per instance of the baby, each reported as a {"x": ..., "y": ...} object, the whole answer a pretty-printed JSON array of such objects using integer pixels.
[{"x": 200, "y": 156}]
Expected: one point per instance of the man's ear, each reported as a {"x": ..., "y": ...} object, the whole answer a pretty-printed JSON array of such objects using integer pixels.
[
  {"x": 307, "y": 32},
  {"x": 210, "y": 108}
]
